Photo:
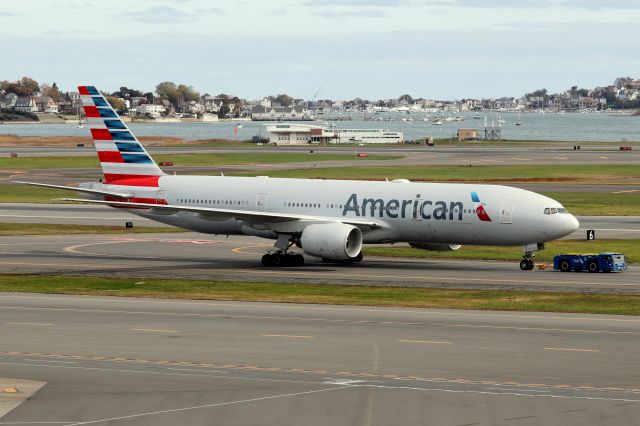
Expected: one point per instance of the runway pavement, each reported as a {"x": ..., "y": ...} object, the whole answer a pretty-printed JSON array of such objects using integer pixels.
[
  {"x": 78, "y": 214},
  {"x": 197, "y": 256},
  {"x": 165, "y": 362}
]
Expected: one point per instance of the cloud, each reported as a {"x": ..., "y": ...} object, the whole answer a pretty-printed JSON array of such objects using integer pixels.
[
  {"x": 540, "y": 4},
  {"x": 7, "y": 14},
  {"x": 353, "y": 13},
  {"x": 162, "y": 14},
  {"x": 351, "y": 3}
]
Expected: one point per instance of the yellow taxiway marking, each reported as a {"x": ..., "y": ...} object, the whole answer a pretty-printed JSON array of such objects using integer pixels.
[
  {"x": 521, "y": 159},
  {"x": 40, "y": 324},
  {"x": 625, "y": 191},
  {"x": 8, "y": 390},
  {"x": 572, "y": 349},
  {"x": 604, "y": 158},
  {"x": 154, "y": 330},
  {"x": 433, "y": 342},
  {"x": 287, "y": 336},
  {"x": 560, "y": 158}
]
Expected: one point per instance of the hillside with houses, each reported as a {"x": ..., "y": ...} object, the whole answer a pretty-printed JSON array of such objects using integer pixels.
[{"x": 28, "y": 100}]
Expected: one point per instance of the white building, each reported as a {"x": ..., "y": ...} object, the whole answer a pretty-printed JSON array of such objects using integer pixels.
[
  {"x": 300, "y": 134},
  {"x": 151, "y": 110}
]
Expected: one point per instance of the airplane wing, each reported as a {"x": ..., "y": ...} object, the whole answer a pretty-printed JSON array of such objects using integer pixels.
[
  {"x": 85, "y": 190},
  {"x": 225, "y": 214}
]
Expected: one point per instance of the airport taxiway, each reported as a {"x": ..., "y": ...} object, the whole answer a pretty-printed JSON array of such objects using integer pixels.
[
  {"x": 198, "y": 256},
  {"x": 122, "y": 361}
]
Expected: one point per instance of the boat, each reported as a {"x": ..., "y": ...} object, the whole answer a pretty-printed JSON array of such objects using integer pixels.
[
  {"x": 477, "y": 116},
  {"x": 519, "y": 122}
]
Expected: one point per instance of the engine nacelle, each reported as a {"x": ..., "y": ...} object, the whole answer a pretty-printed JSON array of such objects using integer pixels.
[
  {"x": 335, "y": 241},
  {"x": 435, "y": 246}
]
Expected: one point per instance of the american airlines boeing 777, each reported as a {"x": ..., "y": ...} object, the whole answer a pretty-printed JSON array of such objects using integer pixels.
[{"x": 330, "y": 219}]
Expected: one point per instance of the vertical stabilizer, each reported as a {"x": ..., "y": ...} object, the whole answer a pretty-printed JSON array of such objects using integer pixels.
[{"x": 122, "y": 157}]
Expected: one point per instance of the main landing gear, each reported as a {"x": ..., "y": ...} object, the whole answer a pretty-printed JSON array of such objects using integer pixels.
[
  {"x": 282, "y": 256},
  {"x": 528, "y": 254}
]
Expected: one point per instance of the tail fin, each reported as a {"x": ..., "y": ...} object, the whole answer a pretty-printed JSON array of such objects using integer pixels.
[{"x": 122, "y": 157}]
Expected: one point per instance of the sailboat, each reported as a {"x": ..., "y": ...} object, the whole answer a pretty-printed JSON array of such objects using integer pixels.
[{"x": 519, "y": 122}]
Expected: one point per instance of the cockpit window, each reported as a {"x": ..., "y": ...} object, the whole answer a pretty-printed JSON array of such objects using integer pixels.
[{"x": 554, "y": 210}]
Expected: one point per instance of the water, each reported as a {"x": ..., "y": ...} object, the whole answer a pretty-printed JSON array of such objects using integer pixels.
[{"x": 607, "y": 127}]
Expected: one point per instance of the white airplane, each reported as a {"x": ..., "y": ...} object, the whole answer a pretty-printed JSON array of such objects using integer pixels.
[{"x": 330, "y": 219}]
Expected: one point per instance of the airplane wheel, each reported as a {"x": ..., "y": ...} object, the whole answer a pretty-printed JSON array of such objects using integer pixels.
[
  {"x": 277, "y": 259},
  {"x": 593, "y": 266},
  {"x": 530, "y": 264},
  {"x": 266, "y": 260},
  {"x": 524, "y": 264},
  {"x": 565, "y": 266},
  {"x": 298, "y": 260}
]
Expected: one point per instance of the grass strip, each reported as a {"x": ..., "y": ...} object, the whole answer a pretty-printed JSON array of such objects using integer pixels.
[
  {"x": 19, "y": 229},
  {"x": 631, "y": 249},
  {"x": 574, "y": 173},
  {"x": 525, "y": 301}
]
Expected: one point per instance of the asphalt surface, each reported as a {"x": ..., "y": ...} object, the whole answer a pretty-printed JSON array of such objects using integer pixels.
[
  {"x": 198, "y": 256},
  {"x": 616, "y": 227},
  {"x": 165, "y": 362}
]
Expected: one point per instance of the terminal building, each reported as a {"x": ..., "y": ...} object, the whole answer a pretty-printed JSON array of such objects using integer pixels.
[{"x": 301, "y": 134}]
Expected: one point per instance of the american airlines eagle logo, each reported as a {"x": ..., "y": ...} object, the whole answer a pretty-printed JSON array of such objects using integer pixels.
[{"x": 479, "y": 208}]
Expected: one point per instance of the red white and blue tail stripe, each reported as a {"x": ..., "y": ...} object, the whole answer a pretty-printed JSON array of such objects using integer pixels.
[{"x": 123, "y": 159}]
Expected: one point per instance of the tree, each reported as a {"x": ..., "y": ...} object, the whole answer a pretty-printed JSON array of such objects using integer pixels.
[
  {"x": 116, "y": 103},
  {"x": 284, "y": 99},
  {"x": 127, "y": 93},
  {"x": 26, "y": 86},
  {"x": 621, "y": 82},
  {"x": 223, "y": 111},
  {"x": 187, "y": 93},
  {"x": 407, "y": 98},
  {"x": 168, "y": 90},
  {"x": 51, "y": 91}
]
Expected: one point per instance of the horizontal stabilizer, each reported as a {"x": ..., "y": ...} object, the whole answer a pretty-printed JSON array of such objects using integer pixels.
[{"x": 85, "y": 190}]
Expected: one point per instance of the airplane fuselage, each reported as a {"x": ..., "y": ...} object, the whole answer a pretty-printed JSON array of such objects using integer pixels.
[{"x": 409, "y": 211}]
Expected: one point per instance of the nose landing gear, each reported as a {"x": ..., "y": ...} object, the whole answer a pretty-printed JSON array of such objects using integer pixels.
[{"x": 528, "y": 254}]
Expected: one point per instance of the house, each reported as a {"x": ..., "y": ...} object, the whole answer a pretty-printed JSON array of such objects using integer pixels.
[
  {"x": 46, "y": 105},
  {"x": 8, "y": 100},
  {"x": 260, "y": 113},
  {"x": 150, "y": 110},
  {"x": 27, "y": 104},
  {"x": 191, "y": 107}
]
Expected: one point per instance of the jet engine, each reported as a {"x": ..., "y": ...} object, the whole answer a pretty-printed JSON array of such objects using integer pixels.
[
  {"x": 332, "y": 241},
  {"x": 435, "y": 246}
]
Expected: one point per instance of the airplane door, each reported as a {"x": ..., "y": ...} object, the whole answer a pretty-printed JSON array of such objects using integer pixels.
[
  {"x": 261, "y": 202},
  {"x": 506, "y": 212},
  {"x": 161, "y": 197}
]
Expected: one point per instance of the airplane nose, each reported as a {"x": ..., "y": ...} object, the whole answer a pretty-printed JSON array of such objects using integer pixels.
[{"x": 572, "y": 224}]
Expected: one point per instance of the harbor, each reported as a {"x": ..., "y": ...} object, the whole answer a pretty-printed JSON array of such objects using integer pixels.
[{"x": 572, "y": 126}]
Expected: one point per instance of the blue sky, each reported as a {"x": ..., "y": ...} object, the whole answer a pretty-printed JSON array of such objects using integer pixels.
[{"x": 442, "y": 49}]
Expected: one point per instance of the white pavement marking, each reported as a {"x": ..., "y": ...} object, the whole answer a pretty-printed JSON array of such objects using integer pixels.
[
  {"x": 283, "y": 306},
  {"x": 219, "y": 404}
]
